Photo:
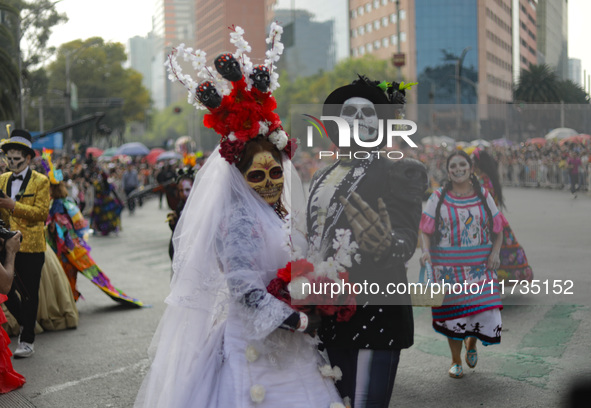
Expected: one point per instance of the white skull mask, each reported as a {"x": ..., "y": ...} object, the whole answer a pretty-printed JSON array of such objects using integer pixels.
[
  {"x": 17, "y": 160},
  {"x": 459, "y": 169},
  {"x": 364, "y": 111},
  {"x": 265, "y": 176}
]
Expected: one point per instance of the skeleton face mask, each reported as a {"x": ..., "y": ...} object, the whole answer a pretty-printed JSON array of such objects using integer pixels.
[
  {"x": 17, "y": 161},
  {"x": 185, "y": 188},
  {"x": 459, "y": 169},
  {"x": 265, "y": 176},
  {"x": 364, "y": 111}
]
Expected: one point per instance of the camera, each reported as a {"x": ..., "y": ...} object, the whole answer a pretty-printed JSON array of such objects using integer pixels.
[{"x": 5, "y": 233}]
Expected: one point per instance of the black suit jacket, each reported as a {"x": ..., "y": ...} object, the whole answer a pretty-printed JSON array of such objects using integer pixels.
[{"x": 380, "y": 322}]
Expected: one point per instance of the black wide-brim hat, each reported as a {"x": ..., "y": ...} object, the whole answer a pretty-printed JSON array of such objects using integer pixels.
[
  {"x": 19, "y": 139},
  {"x": 360, "y": 88}
]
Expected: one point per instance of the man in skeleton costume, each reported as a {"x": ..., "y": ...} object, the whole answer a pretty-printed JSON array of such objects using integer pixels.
[
  {"x": 24, "y": 206},
  {"x": 379, "y": 200}
]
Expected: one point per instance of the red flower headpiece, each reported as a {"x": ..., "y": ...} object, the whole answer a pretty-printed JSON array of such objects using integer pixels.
[{"x": 245, "y": 110}]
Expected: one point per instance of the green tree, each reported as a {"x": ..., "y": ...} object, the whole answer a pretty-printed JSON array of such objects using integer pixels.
[
  {"x": 103, "y": 83},
  {"x": 28, "y": 24},
  {"x": 9, "y": 88},
  {"x": 538, "y": 84},
  {"x": 572, "y": 93},
  {"x": 37, "y": 18}
]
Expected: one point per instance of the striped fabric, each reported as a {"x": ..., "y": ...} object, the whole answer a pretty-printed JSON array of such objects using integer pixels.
[{"x": 460, "y": 258}]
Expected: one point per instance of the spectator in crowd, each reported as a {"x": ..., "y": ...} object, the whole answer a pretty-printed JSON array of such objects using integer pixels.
[
  {"x": 130, "y": 182},
  {"x": 9, "y": 379},
  {"x": 573, "y": 163}
]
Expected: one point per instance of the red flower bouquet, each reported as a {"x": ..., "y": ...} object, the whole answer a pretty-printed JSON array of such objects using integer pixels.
[{"x": 319, "y": 286}]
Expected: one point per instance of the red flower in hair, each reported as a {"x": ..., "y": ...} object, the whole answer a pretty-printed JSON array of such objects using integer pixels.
[
  {"x": 231, "y": 150},
  {"x": 290, "y": 148}
]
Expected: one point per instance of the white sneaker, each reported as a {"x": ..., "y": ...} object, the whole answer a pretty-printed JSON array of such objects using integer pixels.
[{"x": 24, "y": 350}]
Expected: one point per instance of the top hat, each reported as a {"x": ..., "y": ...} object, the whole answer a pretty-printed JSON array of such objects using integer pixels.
[
  {"x": 387, "y": 100},
  {"x": 19, "y": 139}
]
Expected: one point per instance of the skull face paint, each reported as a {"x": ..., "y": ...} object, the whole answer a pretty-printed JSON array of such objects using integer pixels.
[
  {"x": 185, "y": 188},
  {"x": 364, "y": 111},
  {"x": 17, "y": 161},
  {"x": 459, "y": 169},
  {"x": 265, "y": 176}
]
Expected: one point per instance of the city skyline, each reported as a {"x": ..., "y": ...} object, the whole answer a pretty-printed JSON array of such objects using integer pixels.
[{"x": 120, "y": 27}]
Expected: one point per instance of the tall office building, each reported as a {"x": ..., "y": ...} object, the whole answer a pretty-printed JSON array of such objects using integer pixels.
[
  {"x": 524, "y": 35},
  {"x": 139, "y": 57},
  {"x": 334, "y": 11},
  {"x": 172, "y": 24},
  {"x": 311, "y": 49},
  {"x": 552, "y": 22},
  {"x": 214, "y": 17},
  {"x": 441, "y": 42},
  {"x": 574, "y": 71},
  {"x": 384, "y": 28}
]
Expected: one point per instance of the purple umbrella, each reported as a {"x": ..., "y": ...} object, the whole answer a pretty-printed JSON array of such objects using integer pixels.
[{"x": 132, "y": 149}]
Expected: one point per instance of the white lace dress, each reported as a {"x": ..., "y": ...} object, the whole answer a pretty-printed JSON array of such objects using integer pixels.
[{"x": 236, "y": 356}]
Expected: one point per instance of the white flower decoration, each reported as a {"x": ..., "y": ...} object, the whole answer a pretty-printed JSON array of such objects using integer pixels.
[
  {"x": 279, "y": 139},
  {"x": 333, "y": 372},
  {"x": 251, "y": 354},
  {"x": 263, "y": 128},
  {"x": 257, "y": 393},
  {"x": 232, "y": 136},
  {"x": 296, "y": 288},
  {"x": 337, "y": 373},
  {"x": 326, "y": 370}
]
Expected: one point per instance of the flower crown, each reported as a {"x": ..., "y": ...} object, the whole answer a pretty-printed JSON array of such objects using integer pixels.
[{"x": 237, "y": 94}]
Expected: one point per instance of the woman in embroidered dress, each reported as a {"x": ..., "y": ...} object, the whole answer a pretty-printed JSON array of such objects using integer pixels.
[
  {"x": 224, "y": 340},
  {"x": 461, "y": 236},
  {"x": 514, "y": 266}
]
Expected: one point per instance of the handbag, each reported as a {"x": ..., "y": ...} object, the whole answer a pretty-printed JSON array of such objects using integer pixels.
[{"x": 423, "y": 296}]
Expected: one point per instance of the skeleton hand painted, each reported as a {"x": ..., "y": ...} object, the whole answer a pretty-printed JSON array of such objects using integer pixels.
[{"x": 372, "y": 230}]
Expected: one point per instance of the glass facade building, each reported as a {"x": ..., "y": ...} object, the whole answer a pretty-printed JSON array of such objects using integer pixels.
[{"x": 446, "y": 30}]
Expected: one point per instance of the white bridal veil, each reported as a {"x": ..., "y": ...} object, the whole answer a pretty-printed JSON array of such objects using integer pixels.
[{"x": 228, "y": 243}]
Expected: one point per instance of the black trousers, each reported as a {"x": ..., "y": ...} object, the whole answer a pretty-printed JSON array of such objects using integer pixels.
[
  {"x": 24, "y": 304},
  {"x": 574, "y": 180},
  {"x": 368, "y": 375}
]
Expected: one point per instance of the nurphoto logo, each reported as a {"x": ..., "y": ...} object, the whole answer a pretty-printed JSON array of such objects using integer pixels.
[{"x": 388, "y": 129}]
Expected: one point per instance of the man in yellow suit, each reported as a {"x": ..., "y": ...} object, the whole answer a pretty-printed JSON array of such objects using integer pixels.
[{"x": 24, "y": 206}]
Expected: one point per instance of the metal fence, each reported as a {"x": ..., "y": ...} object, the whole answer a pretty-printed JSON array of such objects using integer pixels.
[{"x": 536, "y": 174}]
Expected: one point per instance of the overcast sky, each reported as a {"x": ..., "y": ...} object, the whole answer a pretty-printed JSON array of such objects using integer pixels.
[{"x": 119, "y": 20}]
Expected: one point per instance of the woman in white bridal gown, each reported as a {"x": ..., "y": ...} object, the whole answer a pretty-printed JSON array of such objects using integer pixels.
[{"x": 223, "y": 340}]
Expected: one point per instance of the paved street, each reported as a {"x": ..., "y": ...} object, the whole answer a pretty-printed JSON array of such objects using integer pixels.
[{"x": 546, "y": 340}]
